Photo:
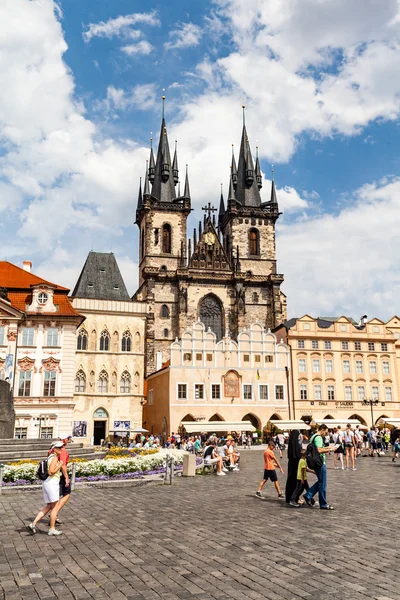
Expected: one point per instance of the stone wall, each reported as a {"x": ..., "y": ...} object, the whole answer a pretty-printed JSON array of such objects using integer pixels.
[{"x": 7, "y": 413}]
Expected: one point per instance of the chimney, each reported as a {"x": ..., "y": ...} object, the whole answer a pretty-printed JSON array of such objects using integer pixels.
[
  {"x": 27, "y": 265},
  {"x": 362, "y": 320},
  {"x": 158, "y": 361}
]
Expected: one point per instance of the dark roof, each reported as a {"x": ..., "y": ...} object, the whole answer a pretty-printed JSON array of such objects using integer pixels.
[
  {"x": 322, "y": 322},
  {"x": 101, "y": 279},
  {"x": 247, "y": 192},
  {"x": 163, "y": 187}
]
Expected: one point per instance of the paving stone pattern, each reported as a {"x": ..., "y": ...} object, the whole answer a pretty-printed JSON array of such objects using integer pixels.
[{"x": 210, "y": 537}]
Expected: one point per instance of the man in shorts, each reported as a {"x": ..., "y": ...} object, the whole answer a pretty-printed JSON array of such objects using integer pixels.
[{"x": 269, "y": 470}]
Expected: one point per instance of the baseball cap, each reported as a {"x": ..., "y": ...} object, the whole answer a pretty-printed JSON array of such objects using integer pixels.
[
  {"x": 229, "y": 437},
  {"x": 65, "y": 437},
  {"x": 58, "y": 445}
]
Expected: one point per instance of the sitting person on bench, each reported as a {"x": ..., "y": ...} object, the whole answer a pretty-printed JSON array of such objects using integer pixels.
[
  {"x": 232, "y": 454},
  {"x": 211, "y": 457}
]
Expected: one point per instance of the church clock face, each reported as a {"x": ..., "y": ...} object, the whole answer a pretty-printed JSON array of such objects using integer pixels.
[{"x": 209, "y": 238}]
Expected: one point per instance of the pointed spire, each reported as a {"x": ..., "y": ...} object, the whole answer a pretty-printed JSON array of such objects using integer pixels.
[
  {"x": 146, "y": 191},
  {"x": 152, "y": 163},
  {"x": 186, "y": 193},
  {"x": 175, "y": 170},
  {"x": 221, "y": 206},
  {"x": 179, "y": 190},
  {"x": 163, "y": 185},
  {"x": 234, "y": 168},
  {"x": 274, "y": 199},
  {"x": 231, "y": 194},
  {"x": 258, "y": 171},
  {"x": 140, "y": 197},
  {"x": 247, "y": 192}
]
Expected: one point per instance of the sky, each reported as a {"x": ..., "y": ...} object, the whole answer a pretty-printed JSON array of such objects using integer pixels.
[{"x": 81, "y": 93}]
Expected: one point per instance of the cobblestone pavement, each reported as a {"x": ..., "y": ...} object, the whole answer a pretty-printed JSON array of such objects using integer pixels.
[{"x": 210, "y": 537}]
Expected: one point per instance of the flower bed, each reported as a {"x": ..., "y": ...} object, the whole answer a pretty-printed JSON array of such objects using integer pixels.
[{"x": 100, "y": 469}]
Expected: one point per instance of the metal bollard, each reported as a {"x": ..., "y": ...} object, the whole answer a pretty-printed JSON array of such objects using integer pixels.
[
  {"x": 171, "y": 472},
  {"x": 166, "y": 476},
  {"x": 73, "y": 476},
  {"x": 1, "y": 478}
]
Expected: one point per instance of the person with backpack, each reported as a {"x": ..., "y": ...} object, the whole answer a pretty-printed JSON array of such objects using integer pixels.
[
  {"x": 395, "y": 442},
  {"x": 50, "y": 472},
  {"x": 316, "y": 461}
]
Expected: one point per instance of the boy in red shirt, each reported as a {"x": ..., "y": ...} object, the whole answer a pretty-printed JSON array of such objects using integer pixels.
[{"x": 269, "y": 470}]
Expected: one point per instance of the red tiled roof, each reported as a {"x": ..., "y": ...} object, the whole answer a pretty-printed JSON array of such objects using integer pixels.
[
  {"x": 20, "y": 300},
  {"x": 13, "y": 277}
]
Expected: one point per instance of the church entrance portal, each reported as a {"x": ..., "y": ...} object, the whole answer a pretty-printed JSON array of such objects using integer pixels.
[
  {"x": 210, "y": 313},
  {"x": 99, "y": 432}
]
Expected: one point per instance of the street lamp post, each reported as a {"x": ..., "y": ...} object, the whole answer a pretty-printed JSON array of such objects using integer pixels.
[{"x": 371, "y": 402}]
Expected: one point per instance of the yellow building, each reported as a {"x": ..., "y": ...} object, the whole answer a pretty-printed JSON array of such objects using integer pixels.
[
  {"x": 109, "y": 367},
  {"x": 209, "y": 380},
  {"x": 342, "y": 369}
]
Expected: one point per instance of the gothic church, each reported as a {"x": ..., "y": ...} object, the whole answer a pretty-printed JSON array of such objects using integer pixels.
[{"x": 226, "y": 274}]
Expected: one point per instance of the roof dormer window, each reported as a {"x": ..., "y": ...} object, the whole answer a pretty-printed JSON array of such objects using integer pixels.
[{"x": 43, "y": 298}]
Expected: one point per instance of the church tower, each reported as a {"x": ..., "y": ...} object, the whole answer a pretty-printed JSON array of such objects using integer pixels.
[{"x": 226, "y": 274}]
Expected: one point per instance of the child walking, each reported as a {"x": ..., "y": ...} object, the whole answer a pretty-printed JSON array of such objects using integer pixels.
[
  {"x": 302, "y": 483},
  {"x": 269, "y": 470}
]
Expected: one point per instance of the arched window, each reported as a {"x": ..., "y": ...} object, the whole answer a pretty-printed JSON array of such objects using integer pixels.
[
  {"x": 125, "y": 383},
  {"x": 166, "y": 332},
  {"x": 126, "y": 342},
  {"x": 102, "y": 383},
  {"x": 104, "y": 341},
  {"x": 137, "y": 340},
  {"x": 254, "y": 242},
  {"x": 137, "y": 379},
  {"x": 80, "y": 381},
  {"x": 255, "y": 298},
  {"x": 166, "y": 238},
  {"x": 82, "y": 339},
  {"x": 211, "y": 314},
  {"x": 164, "y": 311}
]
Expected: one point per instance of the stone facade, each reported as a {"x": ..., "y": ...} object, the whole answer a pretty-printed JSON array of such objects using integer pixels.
[{"x": 226, "y": 380}]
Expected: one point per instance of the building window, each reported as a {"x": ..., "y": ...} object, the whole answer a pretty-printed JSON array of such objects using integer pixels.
[
  {"x": 24, "y": 387},
  {"x": 199, "y": 356},
  {"x": 375, "y": 392},
  {"x": 263, "y": 392},
  {"x": 27, "y": 336},
  {"x": 384, "y": 347},
  {"x": 255, "y": 298},
  {"x": 303, "y": 392},
  {"x": 164, "y": 311},
  {"x": 317, "y": 392},
  {"x": 125, "y": 383},
  {"x": 21, "y": 433},
  {"x": 343, "y": 328},
  {"x": 302, "y": 365},
  {"x": 346, "y": 366},
  {"x": 316, "y": 365},
  {"x": 360, "y": 392},
  {"x": 314, "y": 344},
  {"x": 126, "y": 342},
  {"x": 46, "y": 433},
  {"x": 2, "y": 330},
  {"x": 306, "y": 326},
  {"x": 257, "y": 358},
  {"x": 300, "y": 344},
  {"x": 82, "y": 340},
  {"x": 150, "y": 397},
  {"x": 279, "y": 394},
  {"x": 359, "y": 366},
  {"x": 357, "y": 345},
  {"x": 199, "y": 391},
  {"x": 329, "y": 365},
  {"x": 331, "y": 392},
  {"x": 49, "y": 388},
  {"x": 166, "y": 239},
  {"x": 104, "y": 341},
  {"x": 102, "y": 383},
  {"x": 348, "y": 393},
  {"x": 211, "y": 314},
  {"x": 371, "y": 346},
  {"x": 80, "y": 382},
  {"x": 246, "y": 358},
  {"x": 328, "y": 345},
  {"x": 375, "y": 329},
  {"x": 388, "y": 394},
  {"x": 209, "y": 357},
  {"x": 42, "y": 298},
  {"x": 52, "y": 336},
  {"x": 372, "y": 367},
  {"x": 187, "y": 357},
  {"x": 345, "y": 345},
  {"x": 386, "y": 367},
  {"x": 182, "y": 391},
  {"x": 269, "y": 358},
  {"x": 247, "y": 392},
  {"x": 254, "y": 242},
  {"x": 165, "y": 333},
  {"x": 215, "y": 391}
]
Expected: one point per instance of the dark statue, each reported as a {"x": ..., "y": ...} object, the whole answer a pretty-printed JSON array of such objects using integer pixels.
[{"x": 7, "y": 412}]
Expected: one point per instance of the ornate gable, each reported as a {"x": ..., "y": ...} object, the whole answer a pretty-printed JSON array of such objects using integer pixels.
[{"x": 209, "y": 253}]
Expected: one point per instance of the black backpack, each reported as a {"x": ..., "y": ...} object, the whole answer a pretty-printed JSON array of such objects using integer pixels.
[
  {"x": 313, "y": 457},
  {"x": 43, "y": 470}
]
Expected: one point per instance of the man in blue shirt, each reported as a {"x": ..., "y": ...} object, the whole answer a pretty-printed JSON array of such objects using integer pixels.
[{"x": 320, "y": 485}]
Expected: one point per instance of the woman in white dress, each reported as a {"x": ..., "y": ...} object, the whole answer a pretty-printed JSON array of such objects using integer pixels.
[{"x": 51, "y": 492}]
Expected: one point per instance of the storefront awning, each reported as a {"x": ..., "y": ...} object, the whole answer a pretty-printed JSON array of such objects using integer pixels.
[
  {"x": 391, "y": 421},
  {"x": 289, "y": 425},
  {"x": 341, "y": 423},
  {"x": 216, "y": 426}
]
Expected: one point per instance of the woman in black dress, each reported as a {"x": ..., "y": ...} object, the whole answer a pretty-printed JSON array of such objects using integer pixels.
[{"x": 294, "y": 449}]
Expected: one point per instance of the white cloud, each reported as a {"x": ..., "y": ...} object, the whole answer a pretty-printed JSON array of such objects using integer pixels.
[
  {"x": 143, "y": 47},
  {"x": 121, "y": 26},
  {"x": 184, "y": 36},
  {"x": 141, "y": 97}
]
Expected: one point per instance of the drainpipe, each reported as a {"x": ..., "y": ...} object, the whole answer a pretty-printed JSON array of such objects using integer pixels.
[{"x": 288, "y": 392}]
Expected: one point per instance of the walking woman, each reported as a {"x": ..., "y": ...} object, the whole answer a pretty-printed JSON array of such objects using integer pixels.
[
  {"x": 294, "y": 455},
  {"x": 51, "y": 492},
  {"x": 349, "y": 444}
]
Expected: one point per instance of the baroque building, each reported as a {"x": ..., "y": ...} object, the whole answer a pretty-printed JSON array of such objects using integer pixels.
[
  {"x": 226, "y": 274},
  {"x": 109, "y": 367}
]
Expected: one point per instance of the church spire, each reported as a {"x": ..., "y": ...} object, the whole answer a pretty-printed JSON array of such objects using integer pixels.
[
  {"x": 234, "y": 168},
  {"x": 146, "y": 191},
  {"x": 175, "y": 170},
  {"x": 140, "y": 197},
  {"x": 152, "y": 163},
  {"x": 231, "y": 193},
  {"x": 186, "y": 193},
  {"x": 258, "y": 171},
  {"x": 247, "y": 191},
  {"x": 163, "y": 185},
  {"x": 274, "y": 199},
  {"x": 221, "y": 212}
]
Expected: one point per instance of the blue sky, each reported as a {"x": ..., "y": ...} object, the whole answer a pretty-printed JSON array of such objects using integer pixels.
[{"x": 320, "y": 79}]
